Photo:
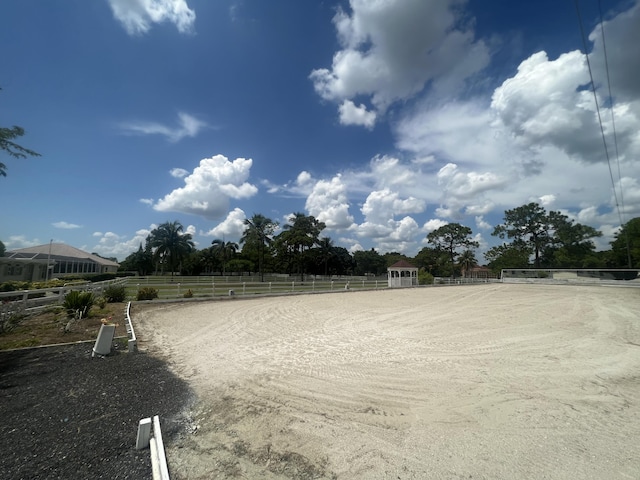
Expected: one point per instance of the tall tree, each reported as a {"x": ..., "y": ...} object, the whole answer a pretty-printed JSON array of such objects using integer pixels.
[
  {"x": 369, "y": 262},
  {"x": 140, "y": 261},
  {"x": 171, "y": 244},
  {"x": 433, "y": 261},
  {"x": 512, "y": 255},
  {"x": 530, "y": 224},
  {"x": 450, "y": 238},
  {"x": 3, "y": 249},
  {"x": 299, "y": 235},
  {"x": 625, "y": 248},
  {"x": 467, "y": 260},
  {"x": 571, "y": 244},
  {"x": 325, "y": 248},
  {"x": 7, "y": 135},
  {"x": 224, "y": 251},
  {"x": 259, "y": 233}
]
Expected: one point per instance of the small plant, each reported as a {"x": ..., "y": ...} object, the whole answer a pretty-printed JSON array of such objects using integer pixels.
[
  {"x": 147, "y": 293},
  {"x": 425, "y": 278},
  {"x": 101, "y": 302},
  {"x": 11, "y": 314},
  {"x": 115, "y": 293},
  {"x": 13, "y": 286},
  {"x": 78, "y": 304},
  {"x": 188, "y": 294}
]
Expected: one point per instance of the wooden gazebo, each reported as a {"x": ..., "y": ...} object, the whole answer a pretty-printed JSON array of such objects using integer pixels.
[{"x": 402, "y": 274}]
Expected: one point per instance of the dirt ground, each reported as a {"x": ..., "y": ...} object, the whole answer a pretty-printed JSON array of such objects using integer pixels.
[
  {"x": 485, "y": 382},
  {"x": 47, "y": 327}
]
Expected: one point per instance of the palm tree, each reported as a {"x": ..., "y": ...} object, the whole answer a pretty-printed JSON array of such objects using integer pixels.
[
  {"x": 325, "y": 245},
  {"x": 224, "y": 250},
  {"x": 259, "y": 231},
  {"x": 300, "y": 234},
  {"x": 171, "y": 244},
  {"x": 467, "y": 260}
]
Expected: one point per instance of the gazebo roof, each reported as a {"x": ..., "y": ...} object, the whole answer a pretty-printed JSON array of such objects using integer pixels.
[{"x": 402, "y": 264}]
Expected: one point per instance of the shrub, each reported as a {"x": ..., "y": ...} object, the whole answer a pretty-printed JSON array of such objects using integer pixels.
[
  {"x": 425, "y": 278},
  {"x": 78, "y": 303},
  {"x": 11, "y": 314},
  {"x": 13, "y": 286},
  {"x": 101, "y": 302},
  {"x": 147, "y": 293},
  {"x": 115, "y": 293},
  {"x": 188, "y": 294}
]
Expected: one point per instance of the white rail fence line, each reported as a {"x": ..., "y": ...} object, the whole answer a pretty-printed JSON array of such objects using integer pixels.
[
  {"x": 159, "y": 467},
  {"x": 46, "y": 296},
  {"x": 133, "y": 341}
]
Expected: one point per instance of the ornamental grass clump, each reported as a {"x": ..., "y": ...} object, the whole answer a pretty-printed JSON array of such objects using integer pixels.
[{"x": 77, "y": 304}]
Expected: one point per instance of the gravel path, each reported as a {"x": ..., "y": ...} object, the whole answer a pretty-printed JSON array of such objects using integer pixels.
[{"x": 66, "y": 415}]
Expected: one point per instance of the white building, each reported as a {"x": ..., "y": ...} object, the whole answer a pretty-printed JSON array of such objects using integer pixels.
[{"x": 30, "y": 264}]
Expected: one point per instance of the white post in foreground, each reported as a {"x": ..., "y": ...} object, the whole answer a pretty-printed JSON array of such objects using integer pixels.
[
  {"x": 104, "y": 340},
  {"x": 162, "y": 459},
  {"x": 144, "y": 433},
  {"x": 159, "y": 468}
]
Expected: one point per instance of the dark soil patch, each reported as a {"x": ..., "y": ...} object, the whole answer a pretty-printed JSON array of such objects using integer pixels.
[{"x": 66, "y": 415}]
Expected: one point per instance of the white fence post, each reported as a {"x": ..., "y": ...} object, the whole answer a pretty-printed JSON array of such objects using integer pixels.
[
  {"x": 162, "y": 459},
  {"x": 144, "y": 433}
]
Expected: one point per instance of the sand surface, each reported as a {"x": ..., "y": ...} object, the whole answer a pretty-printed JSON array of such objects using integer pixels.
[{"x": 494, "y": 381}]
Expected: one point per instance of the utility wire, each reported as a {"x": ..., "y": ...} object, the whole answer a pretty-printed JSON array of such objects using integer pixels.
[
  {"x": 604, "y": 139},
  {"x": 613, "y": 119}
]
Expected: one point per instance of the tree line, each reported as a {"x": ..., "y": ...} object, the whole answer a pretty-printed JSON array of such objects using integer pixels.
[{"x": 531, "y": 238}]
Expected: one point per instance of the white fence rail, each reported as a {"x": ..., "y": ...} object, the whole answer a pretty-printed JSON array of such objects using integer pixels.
[
  {"x": 159, "y": 468},
  {"x": 133, "y": 341},
  {"x": 47, "y": 296}
]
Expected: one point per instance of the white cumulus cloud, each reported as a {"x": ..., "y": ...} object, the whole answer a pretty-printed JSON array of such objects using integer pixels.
[
  {"x": 350, "y": 114},
  {"x": 209, "y": 187},
  {"x": 392, "y": 48},
  {"x": 137, "y": 16},
  {"x": 328, "y": 202},
  {"x": 232, "y": 227}
]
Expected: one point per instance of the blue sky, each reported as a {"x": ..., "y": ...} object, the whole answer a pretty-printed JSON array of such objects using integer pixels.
[{"x": 383, "y": 118}]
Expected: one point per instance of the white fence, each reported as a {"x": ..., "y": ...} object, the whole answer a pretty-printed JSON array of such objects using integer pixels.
[
  {"x": 573, "y": 276},
  {"x": 55, "y": 295},
  {"x": 144, "y": 439},
  {"x": 133, "y": 341}
]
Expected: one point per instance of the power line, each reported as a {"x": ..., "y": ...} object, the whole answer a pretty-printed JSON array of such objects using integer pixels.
[
  {"x": 595, "y": 97},
  {"x": 615, "y": 136},
  {"x": 613, "y": 119}
]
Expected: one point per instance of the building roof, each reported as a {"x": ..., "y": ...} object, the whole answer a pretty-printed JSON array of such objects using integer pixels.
[
  {"x": 402, "y": 264},
  {"x": 58, "y": 250}
]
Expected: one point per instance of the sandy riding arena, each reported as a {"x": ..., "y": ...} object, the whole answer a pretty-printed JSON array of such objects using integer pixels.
[{"x": 483, "y": 382}]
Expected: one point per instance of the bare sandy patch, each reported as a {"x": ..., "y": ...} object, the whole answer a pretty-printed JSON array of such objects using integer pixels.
[{"x": 495, "y": 381}]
